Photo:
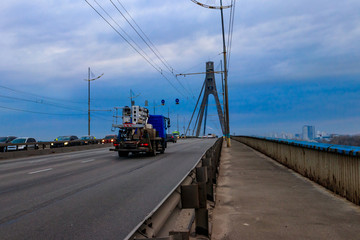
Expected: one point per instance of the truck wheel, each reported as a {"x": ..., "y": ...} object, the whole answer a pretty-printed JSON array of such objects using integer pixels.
[
  {"x": 163, "y": 146},
  {"x": 123, "y": 154},
  {"x": 153, "y": 151}
]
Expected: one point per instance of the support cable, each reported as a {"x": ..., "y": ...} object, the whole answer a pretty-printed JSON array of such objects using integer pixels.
[{"x": 195, "y": 108}]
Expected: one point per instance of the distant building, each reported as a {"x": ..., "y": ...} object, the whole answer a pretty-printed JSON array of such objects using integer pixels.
[{"x": 308, "y": 133}]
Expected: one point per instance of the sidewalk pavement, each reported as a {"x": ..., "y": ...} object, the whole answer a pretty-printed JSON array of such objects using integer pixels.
[{"x": 257, "y": 198}]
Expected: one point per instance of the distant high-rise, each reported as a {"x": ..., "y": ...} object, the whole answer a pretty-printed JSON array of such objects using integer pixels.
[{"x": 308, "y": 132}]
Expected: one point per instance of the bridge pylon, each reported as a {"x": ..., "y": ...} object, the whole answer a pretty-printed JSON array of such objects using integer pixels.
[{"x": 209, "y": 88}]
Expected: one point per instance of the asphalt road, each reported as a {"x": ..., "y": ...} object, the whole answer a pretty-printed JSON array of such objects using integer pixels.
[{"x": 91, "y": 194}]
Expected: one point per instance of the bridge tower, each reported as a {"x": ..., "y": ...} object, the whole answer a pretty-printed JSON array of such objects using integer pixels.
[{"x": 209, "y": 88}]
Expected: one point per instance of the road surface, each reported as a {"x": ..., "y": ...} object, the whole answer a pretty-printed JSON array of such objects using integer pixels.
[{"x": 91, "y": 194}]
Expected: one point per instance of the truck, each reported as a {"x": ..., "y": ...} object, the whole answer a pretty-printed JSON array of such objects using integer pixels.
[{"x": 140, "y": 132}]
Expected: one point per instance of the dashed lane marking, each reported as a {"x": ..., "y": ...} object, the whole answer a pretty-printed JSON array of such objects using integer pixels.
[
  {"x": 89, "y": 160},
  {"x": 39, "y": 171}
]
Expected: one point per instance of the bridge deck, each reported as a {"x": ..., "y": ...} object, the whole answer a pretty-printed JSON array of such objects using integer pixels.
[{"x": 257, "y": 198}]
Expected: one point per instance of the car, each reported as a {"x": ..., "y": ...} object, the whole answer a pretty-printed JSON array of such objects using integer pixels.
[
  {"x": 4, "y": 140},
  {"x": 23, "y": 147},
  {"x": 109, "y": 139},
  {"x": 211, "y": 135},
  {"x": 176, "y": 134},
  {"x": 65, "y": 141},
  {"x": 171, "y": 138},
  {"x": 88, "y": 140}
]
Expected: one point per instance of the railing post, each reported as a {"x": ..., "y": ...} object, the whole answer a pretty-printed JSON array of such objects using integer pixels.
[{"x": 210, "y": 191}]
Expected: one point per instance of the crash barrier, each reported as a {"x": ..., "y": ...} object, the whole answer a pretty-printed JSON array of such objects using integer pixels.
[
  {"x": 335, "y": 167},
  {"x": 43, "y": 148},
  {"x": 53, "y": 144},
  {"x": 188, "y": 200}
]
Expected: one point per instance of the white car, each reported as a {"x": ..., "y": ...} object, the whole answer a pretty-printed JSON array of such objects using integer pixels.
[{"x": 22, "y": 147}]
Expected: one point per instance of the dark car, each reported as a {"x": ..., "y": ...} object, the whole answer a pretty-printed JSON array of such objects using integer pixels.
[
  {"x": 4, "y": 140},
  {"x": 65, "y": 141},
  {"x": 88, "y": 140},
  {"x": 171, "y": 138},
  {"x": 109, "y": 139}
]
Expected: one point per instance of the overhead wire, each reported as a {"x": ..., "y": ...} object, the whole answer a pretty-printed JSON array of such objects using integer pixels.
[
  {"x": 132, "y": 46},
  {"x": 141, "y": 37},
  {"x": 36, "y": 95},
  {"x": 145, "y": 35},
  {"x": 230, "y": 31},
  {"x": 41, "y": 102},
  {"x": 156, "y": 53},
  {"x": 131, "y": 39},
  {"x": 44, "y": 113}
]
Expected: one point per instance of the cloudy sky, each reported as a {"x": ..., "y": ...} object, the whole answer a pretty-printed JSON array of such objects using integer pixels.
[{"x": 292, "y": 63}]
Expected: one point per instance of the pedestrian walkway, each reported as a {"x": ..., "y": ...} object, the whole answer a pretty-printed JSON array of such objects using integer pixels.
[{"x": 257, "y": 198}]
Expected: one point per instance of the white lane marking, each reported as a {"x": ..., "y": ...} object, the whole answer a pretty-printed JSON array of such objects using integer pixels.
[
  {"x": 86, "y": 161},
  {"x": 39, "y": 171},
  {"x": 58, "y": 158}
]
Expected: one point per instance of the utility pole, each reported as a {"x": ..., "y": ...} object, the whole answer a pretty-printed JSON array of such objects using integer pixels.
[
  {"x": 227, "y": 126},
  {"x": 184, "y": 125},
  {"x": 226, "y": 104},
  {"x": 89, "y": 80},
  {"x": 177, "y": 122},
  {"x": 132, "y": 96},
  {"x": 168, "y": 118}
]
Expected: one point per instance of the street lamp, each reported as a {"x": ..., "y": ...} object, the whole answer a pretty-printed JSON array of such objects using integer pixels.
[
  {"x": 89, "y": 80},
  {"x": 226, "y": 110}
]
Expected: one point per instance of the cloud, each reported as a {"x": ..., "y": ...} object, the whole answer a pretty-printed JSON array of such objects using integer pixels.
[
  {"x": 299, "y": 46},
  {"x": 47, "y": 47}
]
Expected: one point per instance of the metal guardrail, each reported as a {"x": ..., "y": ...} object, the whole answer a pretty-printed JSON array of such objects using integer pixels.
[
  {"x": 333, "y": 168},
  {"x": 192, "y": 192}
]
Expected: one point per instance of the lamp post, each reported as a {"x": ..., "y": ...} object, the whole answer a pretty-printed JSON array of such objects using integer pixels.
[
  {"x": 227, "y": 126},
  {"x": 226, "y": 107},
  {"x": 89, "y": 80}
]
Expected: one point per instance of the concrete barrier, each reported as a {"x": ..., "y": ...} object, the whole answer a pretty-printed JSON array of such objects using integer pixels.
[
  {"x": 337, "y": 172},
  {"x": 191, "y": 193}
]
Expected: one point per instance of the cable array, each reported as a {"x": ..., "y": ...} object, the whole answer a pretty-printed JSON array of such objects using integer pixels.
[
  {"x": 44, "y": 113},
  {"x": 230, "y": 31},
  {"x": 43, "y": 100},
  {"x": 160, "y": 65}
]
